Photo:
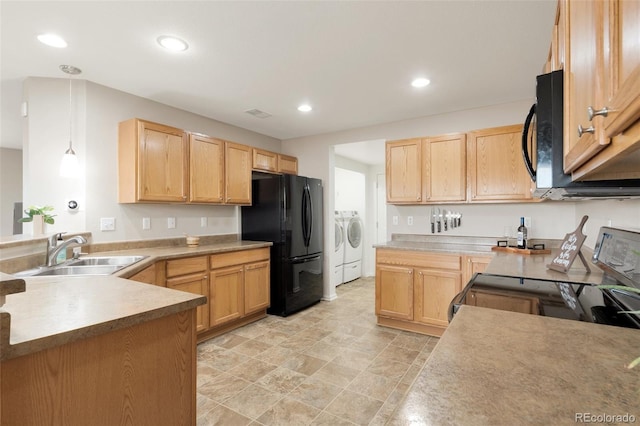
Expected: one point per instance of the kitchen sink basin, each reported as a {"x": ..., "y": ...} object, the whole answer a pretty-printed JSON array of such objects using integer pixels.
[
  {"x": 98, "y": 265},
  {"x": 106, "y": 260},
  {"x": 80, "y": 270}
]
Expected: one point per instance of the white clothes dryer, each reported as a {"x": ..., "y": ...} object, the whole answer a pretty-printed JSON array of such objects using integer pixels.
[
  {"x": 338, "y": 255},
  {"x": 353, "y": 245}
]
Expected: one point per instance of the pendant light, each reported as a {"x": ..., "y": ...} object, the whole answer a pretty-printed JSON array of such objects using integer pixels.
[{"x": 69, "y": 166}]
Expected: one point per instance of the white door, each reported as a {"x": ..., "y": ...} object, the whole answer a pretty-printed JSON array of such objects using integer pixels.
[{"x": 381, "y": 209}]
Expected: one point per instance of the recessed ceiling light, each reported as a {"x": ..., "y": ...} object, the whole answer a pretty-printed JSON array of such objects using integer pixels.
[
  {"x": 304, "y": 108},
  {"x": 420, "y": 82},
  {"x": 52, "y": 40},
  {"x": 172, "y": 43}
]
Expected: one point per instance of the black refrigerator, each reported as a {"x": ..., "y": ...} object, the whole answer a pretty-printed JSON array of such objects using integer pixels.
[{"x": 287, "y": 210}]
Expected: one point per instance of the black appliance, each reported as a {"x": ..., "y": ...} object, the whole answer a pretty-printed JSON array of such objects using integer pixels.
[
  {"x": 617, "y": 253},
  {"x": 546, "y": 115},
  {"x": 287, "y": 210}
]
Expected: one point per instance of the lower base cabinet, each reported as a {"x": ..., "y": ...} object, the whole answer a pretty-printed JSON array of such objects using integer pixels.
[
  {"x": 503, "y": 301},
  {"x": 414, "y": 288},
  {"x": 236, "y": 284}
]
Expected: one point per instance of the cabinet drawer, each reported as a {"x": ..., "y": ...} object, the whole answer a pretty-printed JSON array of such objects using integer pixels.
[
  {"x": 419, "y": 259},
  {"x": 187, "y": 265},
  {"x": 238, "y": 257}
]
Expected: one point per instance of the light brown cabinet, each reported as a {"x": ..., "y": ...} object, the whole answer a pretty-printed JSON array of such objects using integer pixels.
[
  {"x": 287, "y": 164},
  {"x": 503, "y": 301},
  {"x": 239, "y": 288},
  {"x": 473, "y": 264},
  {"x": 152, "y": 162},
  {"x": 147, "y": 276},
  {"x": 444, "y": 168},
  {"x": 238, "y": 160},
  {"x": 414, "y": 289},
  {"x": 403, "y": 171},
  {"x": 190, "y": 275},
  {"x": 496, "y": 170},
  {"x": 206, "y": 174},
  {"x": 602, "y": 72},
  {"x": 265, "y": 161}
]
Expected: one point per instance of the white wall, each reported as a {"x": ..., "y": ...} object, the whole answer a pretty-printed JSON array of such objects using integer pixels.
[
  {"x": 98, "y": 110},
  {"x": 10, "y": 187},
  {"x": 619, "y": 214}
]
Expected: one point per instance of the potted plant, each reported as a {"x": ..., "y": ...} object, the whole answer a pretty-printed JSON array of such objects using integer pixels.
[{"x": 39, "y": 216}]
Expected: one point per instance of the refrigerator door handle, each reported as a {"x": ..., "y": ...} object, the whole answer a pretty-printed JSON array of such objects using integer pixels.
[
  {"x": 309, "y": 220},
  {"x": 303, "y": 212}
]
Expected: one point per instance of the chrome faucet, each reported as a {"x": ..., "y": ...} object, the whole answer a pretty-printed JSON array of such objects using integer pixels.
[{"x": 53, "y": 248}]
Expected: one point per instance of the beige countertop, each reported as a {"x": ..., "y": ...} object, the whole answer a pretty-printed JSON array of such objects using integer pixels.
[
  {"x": 535, "y": 266},
  {"x": 494, "y": 367},
  {"x": 55, "y": 310}
]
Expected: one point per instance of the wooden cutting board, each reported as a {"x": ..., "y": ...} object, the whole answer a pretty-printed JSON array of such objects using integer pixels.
[{"x": 521, "y": 251}]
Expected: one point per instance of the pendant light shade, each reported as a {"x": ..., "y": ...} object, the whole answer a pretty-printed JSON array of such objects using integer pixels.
[{"x": 69, "y": 166}]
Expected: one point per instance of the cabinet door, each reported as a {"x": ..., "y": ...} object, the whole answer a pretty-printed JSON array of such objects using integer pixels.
[
  {"x": 445, "y": 168},
  {"x": 162, "y": 163},
  {"x": 584, "y": 23},
  {"x": 226, "y": 291},
  {"x": 287, "y": 164},
  {"x": 206, "y": 174},
  {"x": 505, "y": 302},
  {"x": 394, "y": 292},
  {"x": 434, "y": 291},
  {"x": 403, "y": 163},
  {"x": 147, "y": 276},
  {"x": 256, "y": 287},
  {"x": 196, "y": 284},
  {"x": 265, "y": 161},
  {"x": 238, "y": 162},
  {"x": 495, "y": 167},
  {"x": 473, "y": 265}
]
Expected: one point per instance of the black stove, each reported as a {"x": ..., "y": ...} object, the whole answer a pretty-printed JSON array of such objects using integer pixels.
[{"x": 617, "y": 253}]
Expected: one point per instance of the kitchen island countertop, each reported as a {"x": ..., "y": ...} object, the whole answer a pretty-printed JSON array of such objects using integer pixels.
[{"x": 496, "y": 367}]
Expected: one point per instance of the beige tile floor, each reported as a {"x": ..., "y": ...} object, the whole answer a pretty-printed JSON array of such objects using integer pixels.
[{"x": 328, "y": 365}]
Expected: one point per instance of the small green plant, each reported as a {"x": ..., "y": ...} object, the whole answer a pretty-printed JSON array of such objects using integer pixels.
[
  {"x": 625, "y": 288},
  {"x": 36, "y": 210}
]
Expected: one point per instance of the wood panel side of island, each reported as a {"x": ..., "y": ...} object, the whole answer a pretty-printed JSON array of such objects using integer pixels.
[{"x": 139, "y": 375}]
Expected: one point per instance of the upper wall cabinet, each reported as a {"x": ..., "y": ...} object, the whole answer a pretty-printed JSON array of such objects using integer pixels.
[
  {"x": 403, "y": 171},
  {"x": 602, "y": 88},
  {"x": 287, "y": 164},
  {"x": 271, "y": 162},
  {"x": 152, "y": 163},
  {"x": 495, "y": 167},
  {"x": 237, "y": 166},
  {"x": 206, "y": 174},
  {"x": 444, "y": 168}
]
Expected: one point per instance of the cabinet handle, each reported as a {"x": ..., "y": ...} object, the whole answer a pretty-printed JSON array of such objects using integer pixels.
[
  {"x": 418, "y": 197},
  {"x": 582, "y": 130},
  {"x": 592, "y": 113}
]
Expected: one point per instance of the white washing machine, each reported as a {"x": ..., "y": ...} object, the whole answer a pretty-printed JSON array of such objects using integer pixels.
[
  {"x": 338, "y": 255},
  {"x": 352, "y": 246}
]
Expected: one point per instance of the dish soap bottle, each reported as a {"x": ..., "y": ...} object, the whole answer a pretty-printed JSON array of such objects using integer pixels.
[
  {"x": 62, "y": 256},
  {"x": 522, "y": 235}
]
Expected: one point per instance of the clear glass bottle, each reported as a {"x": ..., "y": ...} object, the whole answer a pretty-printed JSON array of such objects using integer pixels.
[{"x": 522, "y": 235}]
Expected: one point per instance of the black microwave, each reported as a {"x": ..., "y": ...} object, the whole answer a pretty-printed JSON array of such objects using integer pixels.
[{"x": 544, "y": 124}]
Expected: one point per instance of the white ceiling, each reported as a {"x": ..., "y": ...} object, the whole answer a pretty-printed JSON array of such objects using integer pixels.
[{"x": 351, "y": 60}]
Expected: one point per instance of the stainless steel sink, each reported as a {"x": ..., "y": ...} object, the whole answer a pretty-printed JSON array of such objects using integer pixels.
[
  {"x": 98, "y": 265},
  {"x": 80, "y": 270},
  {"x": 107, "y": 260}
]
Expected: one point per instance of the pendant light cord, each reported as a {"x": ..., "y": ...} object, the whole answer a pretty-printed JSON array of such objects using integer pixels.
[{"x": 70, "y": 119}]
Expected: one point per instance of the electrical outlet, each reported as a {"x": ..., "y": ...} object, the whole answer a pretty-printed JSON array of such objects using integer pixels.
[
  {"x": 146, "y": 223},
  {"x": 203, "y": 222},
  {"x": 409, "y": 220},
  {"x": 527, "y": 222},
  {"x": 171, "y": 222},
  {"x": 395, "y": 220},
  {"x": 107, "y": 224}
]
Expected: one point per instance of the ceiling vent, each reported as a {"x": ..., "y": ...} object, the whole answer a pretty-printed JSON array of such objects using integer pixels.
[{"x": 258, "y": 113}]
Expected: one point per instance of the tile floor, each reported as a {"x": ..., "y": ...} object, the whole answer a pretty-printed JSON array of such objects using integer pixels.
[{"x": 328, "y": 365}]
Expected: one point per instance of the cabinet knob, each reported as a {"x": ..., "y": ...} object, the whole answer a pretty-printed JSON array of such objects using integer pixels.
[
  {"x": 418, "y": 197},
  {"x": 592, "y": 113},
  {"x": 582, "y": 130}
]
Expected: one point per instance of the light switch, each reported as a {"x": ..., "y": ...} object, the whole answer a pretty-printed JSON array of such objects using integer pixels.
[
  {"x": 171, "y": 222},
  {"x": 146, "y": 223},
  {"x": 203, "y": 222},
  {"x": 107, "y": 223}
]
